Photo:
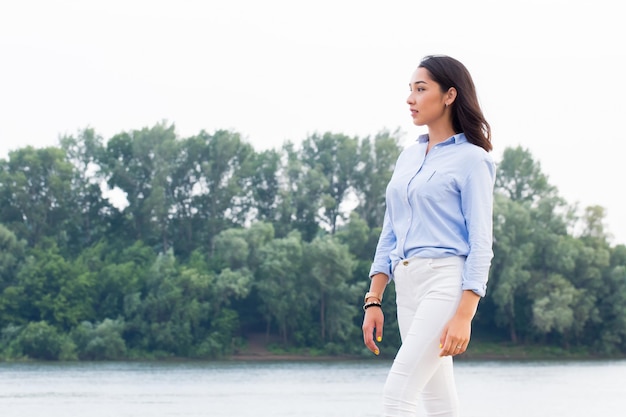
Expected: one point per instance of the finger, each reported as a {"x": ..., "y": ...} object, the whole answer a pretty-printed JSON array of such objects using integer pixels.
[
  {"x": 368, "y": 339},
  {"x": 453, "y": 349},
  {"x": 367, "y": 330},
  {"x": 443, "y": 343},
  {"x": 442, "y": 338},
  {"x": 443, "y": 350},
  {"x": 371, "y": 345}
]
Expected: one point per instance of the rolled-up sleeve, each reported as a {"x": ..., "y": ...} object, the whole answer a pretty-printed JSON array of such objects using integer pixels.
[
  {"x": 386, "y": 243},
  {"x": 477, "y": 205}
]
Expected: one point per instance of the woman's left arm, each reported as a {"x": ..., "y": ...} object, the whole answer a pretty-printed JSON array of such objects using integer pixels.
[
  {"x": 456, "y": 335},
  {"x": 477, "y": 206},
  {"x": 477, "y": 203}
]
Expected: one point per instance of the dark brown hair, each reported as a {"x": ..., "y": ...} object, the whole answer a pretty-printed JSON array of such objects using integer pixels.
[{"x": 467, "y": 116}]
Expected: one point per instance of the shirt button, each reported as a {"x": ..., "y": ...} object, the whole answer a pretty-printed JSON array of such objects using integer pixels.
[{"x": 405, "y": 263}]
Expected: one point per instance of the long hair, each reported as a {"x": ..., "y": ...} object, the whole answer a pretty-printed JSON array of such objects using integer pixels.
[{"x": 467, "y": 116}]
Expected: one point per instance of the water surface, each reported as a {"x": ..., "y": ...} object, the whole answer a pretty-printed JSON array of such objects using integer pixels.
[{"x": 306, "y": 389}]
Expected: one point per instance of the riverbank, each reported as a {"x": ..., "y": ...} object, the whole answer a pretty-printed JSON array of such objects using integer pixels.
[{"x": 259, "y": 348}]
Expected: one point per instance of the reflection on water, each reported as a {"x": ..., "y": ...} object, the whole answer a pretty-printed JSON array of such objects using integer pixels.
[{"x": 307, "y": 389}]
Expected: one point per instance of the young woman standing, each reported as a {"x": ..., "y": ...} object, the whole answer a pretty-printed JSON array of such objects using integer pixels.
[{"x": 436, "y": 240}]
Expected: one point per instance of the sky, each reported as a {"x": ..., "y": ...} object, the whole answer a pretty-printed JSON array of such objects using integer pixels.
[{"x": 549, "y": 74}]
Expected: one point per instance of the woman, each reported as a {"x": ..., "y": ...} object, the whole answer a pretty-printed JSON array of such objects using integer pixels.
[{"x": 436, "y": 241}]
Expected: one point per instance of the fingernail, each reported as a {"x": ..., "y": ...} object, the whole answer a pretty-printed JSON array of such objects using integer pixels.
[
  {"x": 440, "y": 345},
  {"x": 380, "y": 339},
  {"x": 376, "y": 352}
]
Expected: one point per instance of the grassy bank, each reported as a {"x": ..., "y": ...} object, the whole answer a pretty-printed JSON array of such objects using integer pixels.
[
  {"x": 509, "y": 351},
  {"x": 478, "y": 350}
]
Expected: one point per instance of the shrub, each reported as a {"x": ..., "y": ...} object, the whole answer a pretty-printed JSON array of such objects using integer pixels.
[
  {"x": 39, "y": 340},
  {"x": 102, "y": 341}
]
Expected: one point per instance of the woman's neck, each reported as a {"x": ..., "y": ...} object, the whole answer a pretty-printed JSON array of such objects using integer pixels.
[{"x": 438, "y": 135}]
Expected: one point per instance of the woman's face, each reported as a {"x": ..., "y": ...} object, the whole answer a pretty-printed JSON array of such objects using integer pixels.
[{"x": 427, "y": 102}]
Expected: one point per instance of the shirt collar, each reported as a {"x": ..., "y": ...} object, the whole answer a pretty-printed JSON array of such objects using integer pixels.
[{"x": 458, "y": 138}]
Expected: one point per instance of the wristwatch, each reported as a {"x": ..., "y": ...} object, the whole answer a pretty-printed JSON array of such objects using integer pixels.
[{"x": 371, "y": 294}]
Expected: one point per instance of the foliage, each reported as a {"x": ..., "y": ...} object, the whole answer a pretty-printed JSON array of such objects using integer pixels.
[
  {"x": 148, "y": 245},
  {"x": 100, "y": 341},
  {"x": 40, "y": 340}
]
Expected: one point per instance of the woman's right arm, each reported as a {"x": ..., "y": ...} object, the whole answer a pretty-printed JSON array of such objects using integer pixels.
[
  {"x": 374, "y": 319},
  {"x": 380, "y": 274}
]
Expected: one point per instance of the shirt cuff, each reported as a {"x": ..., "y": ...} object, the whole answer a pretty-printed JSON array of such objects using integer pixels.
[
  {"x": 381, "y": 269},
  {"x": 478, "y": 288}
]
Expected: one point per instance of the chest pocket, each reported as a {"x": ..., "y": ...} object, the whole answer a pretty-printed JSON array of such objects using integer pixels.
[{"x": 437, "y": 187}]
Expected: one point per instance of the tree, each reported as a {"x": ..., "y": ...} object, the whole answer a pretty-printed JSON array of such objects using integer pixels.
[
  {"x": 335, "y": 157},
  {"x": 117, "y": 273},
  {"x": 377, "y": 158},
  {"x": 594, "y": 225},
  {"x": 92, "y": 212},
  {"x": 159, "y": 318},
  {"x": 330, "y": 266},
  {"x": 265, "y": 185},
  {"x": 279, "y": 283},
  {"x": 611, "y": 332},
  {"x": 358, "y": 237},
  {"x": 530, "y": 222},
  {"x": 48, "y": 288},
  {"x": 100, "y": 341},
  {"x": 12, "y": 256},
  {"x": 140, "y": 164},
  {"x": 300, "y": 196},
  {"x": 553, "y": 301},
  {"x": 510, "y": 271},
  {"x": 40, "y": 340},
  {"x": 35, "y": 190},
  {"x": 520, "y": 177},
  {"x": 222, "y": 164}
]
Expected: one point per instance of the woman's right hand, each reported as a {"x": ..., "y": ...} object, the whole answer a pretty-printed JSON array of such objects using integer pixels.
[{"x": 373, "y": 327}]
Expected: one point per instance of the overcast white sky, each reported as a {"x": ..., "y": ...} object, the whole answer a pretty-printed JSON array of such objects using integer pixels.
[{"x": 549, "y": 73}]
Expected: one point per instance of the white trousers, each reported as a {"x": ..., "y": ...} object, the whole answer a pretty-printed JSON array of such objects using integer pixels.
[{"x": 428, "y": 292}]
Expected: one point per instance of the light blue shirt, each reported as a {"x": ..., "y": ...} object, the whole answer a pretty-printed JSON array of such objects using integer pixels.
[{"x": 440, "y": 204}]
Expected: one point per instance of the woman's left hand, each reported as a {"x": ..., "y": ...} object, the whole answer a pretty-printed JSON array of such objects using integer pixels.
[{"x": 456, "y": 335}]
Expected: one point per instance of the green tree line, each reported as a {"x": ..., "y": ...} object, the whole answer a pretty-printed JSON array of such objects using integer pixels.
[{"x": 149, "y": 245}]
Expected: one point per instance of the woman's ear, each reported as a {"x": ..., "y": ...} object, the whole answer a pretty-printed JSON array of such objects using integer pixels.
[{"x": 450, "y": 96}]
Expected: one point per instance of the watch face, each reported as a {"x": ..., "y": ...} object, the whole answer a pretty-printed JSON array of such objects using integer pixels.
[{"x": 372, "y": 294}]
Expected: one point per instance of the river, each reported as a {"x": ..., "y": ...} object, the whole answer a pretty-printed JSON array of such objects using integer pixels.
[{"x": 299, "y": 389}]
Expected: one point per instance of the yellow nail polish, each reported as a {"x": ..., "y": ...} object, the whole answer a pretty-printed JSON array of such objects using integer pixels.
[
  {"x": 380, "y": 339},
  {"x": 440, "y": 345},
  {"x": 376, "y": 352}
]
